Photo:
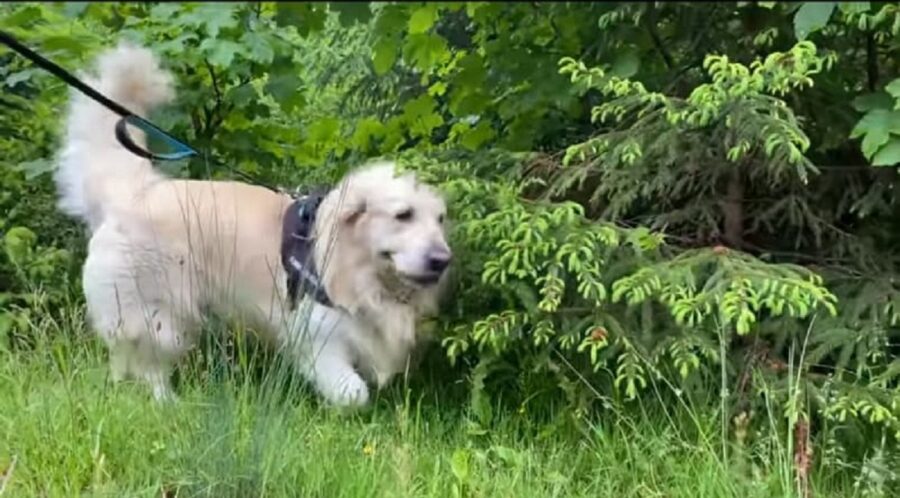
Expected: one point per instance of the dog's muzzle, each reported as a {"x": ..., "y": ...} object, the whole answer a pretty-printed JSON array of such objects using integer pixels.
[{"x": 436, "y": 263}]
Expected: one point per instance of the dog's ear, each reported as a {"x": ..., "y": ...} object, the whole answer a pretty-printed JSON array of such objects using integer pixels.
[{"x": 353, "y": 213}]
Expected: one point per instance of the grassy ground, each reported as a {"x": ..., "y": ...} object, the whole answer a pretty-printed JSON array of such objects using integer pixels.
[{"x": 65, "y": 431}]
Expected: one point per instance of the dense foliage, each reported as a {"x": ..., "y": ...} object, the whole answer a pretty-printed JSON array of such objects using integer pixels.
[{"x": 699, "y": 197}]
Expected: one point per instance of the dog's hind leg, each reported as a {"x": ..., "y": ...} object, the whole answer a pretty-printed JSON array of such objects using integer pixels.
[
  {"x": 146, "y": 353},
  {"x": 130, "y": 308},
  {"x": 119, "y": 360},
  {"x": 143, "y": 346}
]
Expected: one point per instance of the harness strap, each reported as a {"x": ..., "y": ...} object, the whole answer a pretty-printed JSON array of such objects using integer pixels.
[{"x": 297, "y": 255}]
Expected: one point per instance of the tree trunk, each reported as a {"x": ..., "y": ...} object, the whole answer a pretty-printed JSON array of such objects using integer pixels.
[{"x": 733, "y": 209}]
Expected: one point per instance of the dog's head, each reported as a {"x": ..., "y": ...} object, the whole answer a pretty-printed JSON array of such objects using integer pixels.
[{"x": 392, "y": 224}]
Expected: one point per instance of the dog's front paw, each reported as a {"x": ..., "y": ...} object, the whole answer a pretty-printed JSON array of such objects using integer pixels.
[{"x": 351, "y": 391}]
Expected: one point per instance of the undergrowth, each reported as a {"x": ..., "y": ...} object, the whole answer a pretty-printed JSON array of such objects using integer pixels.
[{"x": 245, "y": 425}]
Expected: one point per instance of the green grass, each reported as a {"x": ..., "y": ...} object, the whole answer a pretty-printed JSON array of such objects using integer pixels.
[{"x": 66, "y": 431}]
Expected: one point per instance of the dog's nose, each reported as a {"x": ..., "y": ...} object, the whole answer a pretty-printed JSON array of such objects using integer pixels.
[{"x": 438, "y": 261}]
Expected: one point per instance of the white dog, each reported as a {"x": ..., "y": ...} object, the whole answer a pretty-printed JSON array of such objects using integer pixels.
[{"x": 163, "y": 251}]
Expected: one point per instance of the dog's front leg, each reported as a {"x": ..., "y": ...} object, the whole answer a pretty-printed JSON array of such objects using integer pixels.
[
  {"x": 317, "y": 338},
  {"x": 332, "y": 373}
]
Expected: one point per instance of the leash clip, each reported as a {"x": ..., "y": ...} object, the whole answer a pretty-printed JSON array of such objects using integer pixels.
[{"x": 181, "y": 150}]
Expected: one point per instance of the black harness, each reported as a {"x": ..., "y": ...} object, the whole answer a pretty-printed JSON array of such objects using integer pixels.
[{"x": 297, "y": 255}]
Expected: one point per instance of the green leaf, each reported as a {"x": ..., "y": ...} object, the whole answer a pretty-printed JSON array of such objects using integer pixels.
[
  {"x": 421, "y": 115},
  {"x": 384, "y": 55},
  {"x": 220, "y": 52},
  {"x": 6, "y": 325},
  {"x": 393, "y": 134},
  {"x": 164, "y": 11},
  {"x": 811, "y": 17},
  {"x": 893, "y": 88},
  {"x": 351, "y": 12},
  {"x": 626, "y": 64},
  {"x": 23, "y": 17},
  {"x": 474, "y": 138},
  {"x": 290, "y": 13},
  {"x": 75, "y": 9},
  {"x": 35, "y": 168},
  {"x": 875, "y": 128},
  {"x": 426, "y": 51},
  {"x": 481, "y": 12},
  {"x": 242, "y": 95},
  {"x": 888, "y": 155},
  {"x": 306, "y": 17},
  {"x": 175, "y": 45},
  {"x": 214, "y": 16},
  {"x": 69, "y": 44},
  {"x": 854, "y": 7},
  {"x": 23, "y": 75},
  {"x": 870, "y": 101},
  {"x": 19, "y": 243},
  {"x": 459, "y": 464},
  {"x": 324, "y": 130},
  {"x": 260, "y": 49},
  {"x": 423, "y": 19},
  {"x": 286, "y": 89},
  {"x": 437, "y": 89},
  {"x": 509, "y": 456},
  {"x": 471, "y": 71},
  {"x": 391, "y": 20},
  {"x": 367, "y": 129}
]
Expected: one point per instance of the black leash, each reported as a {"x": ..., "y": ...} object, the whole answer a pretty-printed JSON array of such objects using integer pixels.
[
  {"x": 180, "y": 149},
  {"x": 10, "y": 41}
]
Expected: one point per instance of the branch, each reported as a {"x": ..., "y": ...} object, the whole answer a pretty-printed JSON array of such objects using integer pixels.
[
  {"x": 681, "y": 72},
  {"x": 195, "y": 122},
  {"x": 657, "y": 41},
  {"x": 215, "y": 83},
  {"x": 696, "y": 43},
  {"x": 871, "y": 61},
  {"x": 214, "y": 116},
  {"x": 207, "y": 122}
]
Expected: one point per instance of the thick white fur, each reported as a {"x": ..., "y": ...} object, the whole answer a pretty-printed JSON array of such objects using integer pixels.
[{"x": 164, "y": 251}]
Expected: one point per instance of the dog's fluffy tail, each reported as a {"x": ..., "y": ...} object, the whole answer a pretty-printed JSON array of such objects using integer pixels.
[{"x": 95, "y": 171}]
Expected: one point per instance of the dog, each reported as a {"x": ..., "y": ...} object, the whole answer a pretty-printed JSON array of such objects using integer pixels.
[{"x": 164, "y": 252}]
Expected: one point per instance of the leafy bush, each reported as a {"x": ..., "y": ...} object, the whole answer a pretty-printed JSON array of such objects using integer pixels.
[{"x": 39, "y": 248}]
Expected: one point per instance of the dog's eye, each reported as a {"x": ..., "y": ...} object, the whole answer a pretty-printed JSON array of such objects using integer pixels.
[
  {"x": 441, "y": 219},
  {"x": 404, "y": 215}
]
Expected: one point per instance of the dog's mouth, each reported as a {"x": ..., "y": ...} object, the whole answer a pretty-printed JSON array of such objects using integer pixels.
[
  {"x": 418, "y": 279},
  {"x": 424, "y": 280}
]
